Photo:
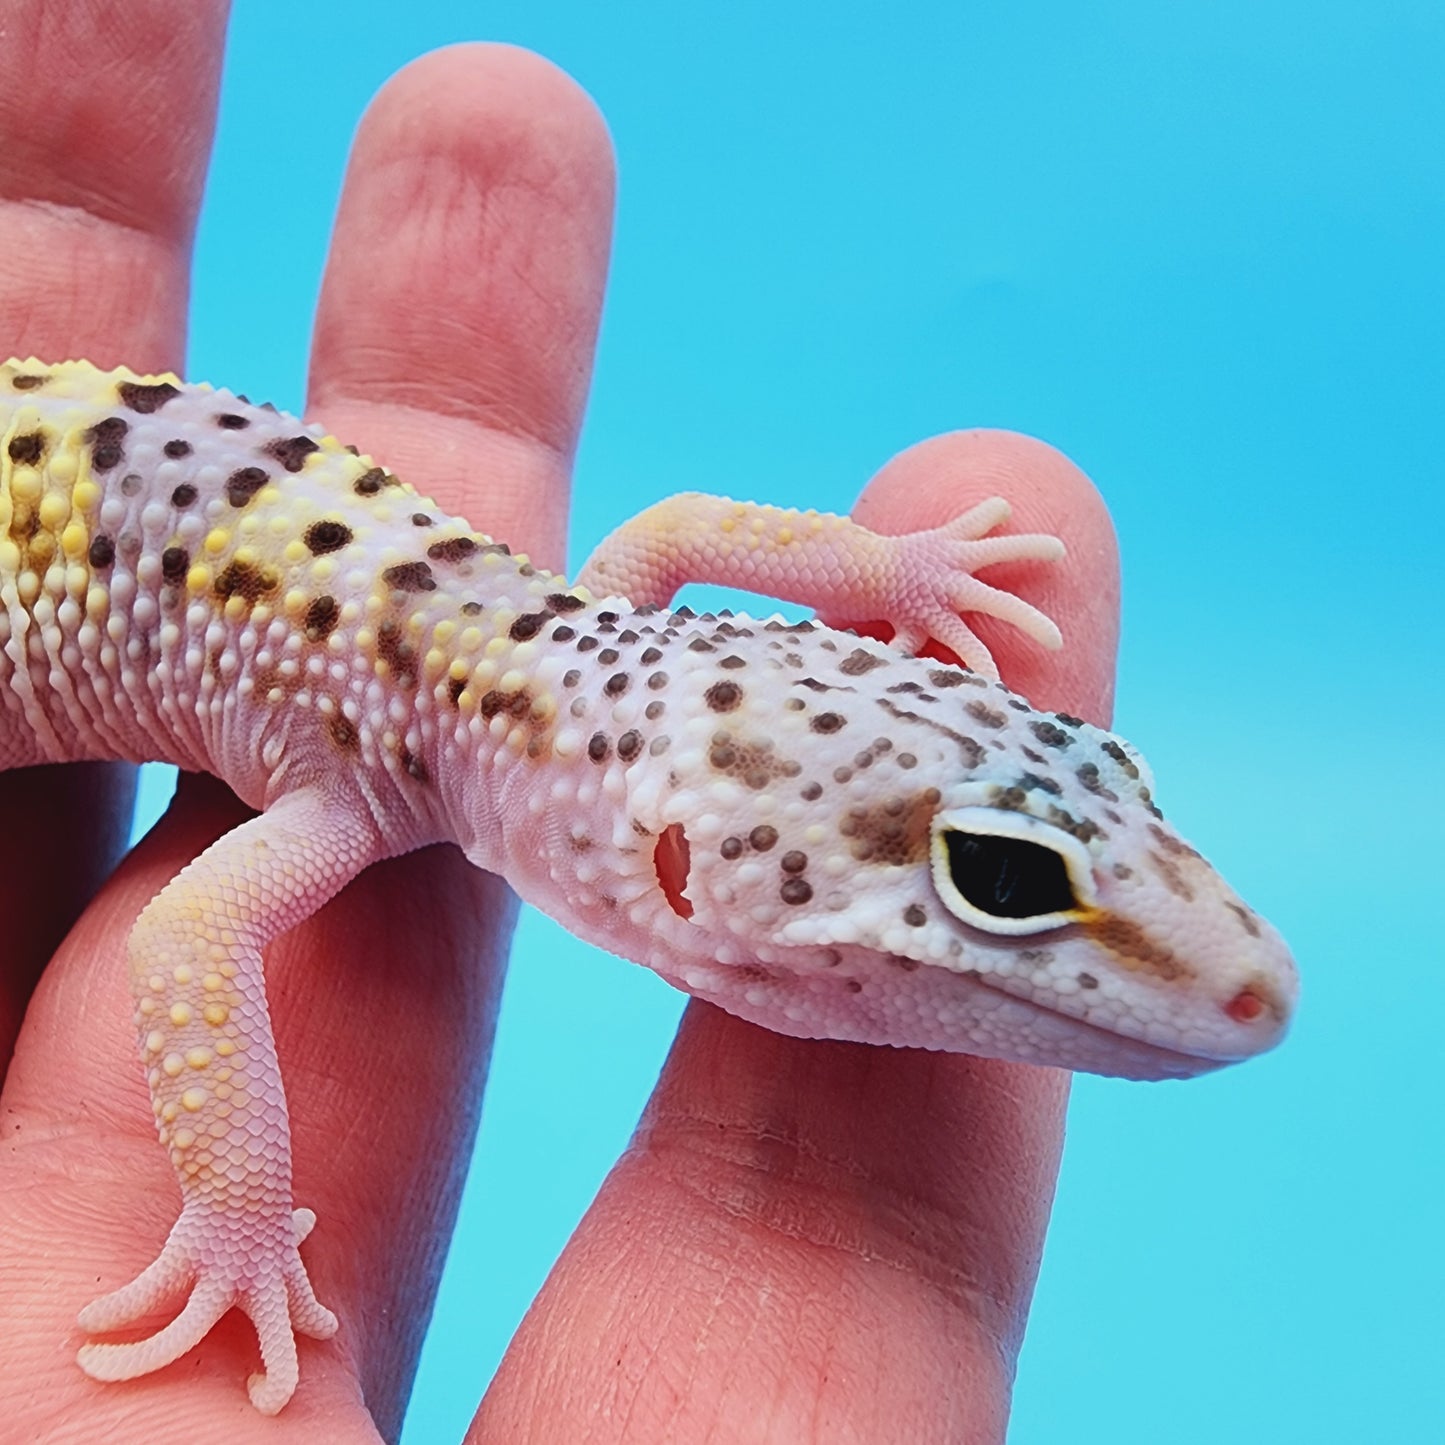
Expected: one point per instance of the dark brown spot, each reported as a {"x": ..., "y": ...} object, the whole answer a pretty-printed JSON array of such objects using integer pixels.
[
  {"x": 892, "y": 830},
  {"x": 456, "y": 686},
  {"x": 1032, "y": 781},
  {"x": 528, "y": 625},
  {"x": 654, "y": 710},
  {"x": 177, "y": 449},
  {"x": 327, "y": 535},
  {"x": 232, "y": 421},
  {"x": 321, "y": 618},
  {"x": 564, "y": 602},
  {"x": 973, "y": 753},
  {"x": 410, "y": 577},
  {"x": 183, "y": 495},
  {"x": 944, "y": 677},
  {"x": 27, "y": 449},
  {"x": 793, "y": 861},
  {"x": 914, "y": 916},
  {"x": 368, "y": 484},
  {"x": 291, "y": 452},
  {"x": 617, "y": 684},
  {"x": 102, "y": 552},
  {"x": 598, "y": 747},
  {"x": 811, "y": 792},
  {"x": 27, "y": 381},
  {"x": 763, "y": 837},
  {"x": 650, "y": 655},
  {"x": 413, "y": 765},
  {"x": 242, "y": 579},
  {"x": 985, "y": 715},
  {"x": 1087, "y": 980},
  {"x": 420, "y": 519},
  {"x": 796, "y": 890},
  {"x": 629, "y": 745},
  {"x": 1247, "y": 919},
  {"x": 1134, "y": 949},
  {"x": 858, "y": 662},
  {"x": 175, "y": 563},
  {"x": 700, "y": 644},
  {"x": 242, "y": 485},
  {"x": 564, "y": 633},
  {"x": 146, "y": 397},
  {"x": 732, "y": 662},
  {"x": 343, "y": 733},
  {"x": 731, "y": 848},
  {"x": 657, "y": 681},
  {"x": 396, "y": 652},
  {"x": 1088, "y": 775},
  {"x": 1110, "y": 747},
  {"x": 1049, "y": 735},
  {"x": 907, "y": 760},
  {"x": 453, "y": 549},
  {"x": 608, "y": 656},
  {"x": 1069, "y": 720},
  {"x": 723, "y": 696},
  {"x": 105, "y": 439},
  {"x": 826, "y": 722}
]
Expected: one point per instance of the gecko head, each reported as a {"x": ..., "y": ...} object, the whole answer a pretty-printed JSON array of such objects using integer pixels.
[{"x": 978, "y": 876}]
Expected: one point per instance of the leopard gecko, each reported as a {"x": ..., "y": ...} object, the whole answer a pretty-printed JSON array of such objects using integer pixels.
[{"x": 814, "y": 830}]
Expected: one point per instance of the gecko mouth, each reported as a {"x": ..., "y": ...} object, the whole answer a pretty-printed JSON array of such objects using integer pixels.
[{"x": 1107, "y": 1050}]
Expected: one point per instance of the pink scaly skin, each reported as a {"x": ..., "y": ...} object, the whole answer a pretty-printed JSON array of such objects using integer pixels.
[{"x": 814, "y": 831}]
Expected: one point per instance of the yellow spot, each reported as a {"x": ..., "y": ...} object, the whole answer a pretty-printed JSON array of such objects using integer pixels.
[
  {"x": 458, "y": 670},
  {"x": 235, "y": 608},
  {"x": 212, "y": 981},
  {"x": 183, "y": 973},
  {"x": 28, "y": 585},
  {"x": 180, "y": 1014},
  {"x": 785, "y": 536},
  {"x": 24, "y": 484},
  {"x": 183, "y": 1138},
  {"x": 157, "y": 983},
  {"x": 281, "y": 526},
  {"x": 73, "y": 540},
  {"x": 198, "y": 1058},
  {"x": 296, "y": 551},
  {"x": 85, "y": 494},
  {"x": 444, "y": 630},
  {"x": 193, "y": 1100},
  {"x": 9, "y": 557},
  {"x": 726, "y": 525},
  {"x": 512, "y": 681},
  {"x": 228, "y": 969},
  {"x": 471, "y": 639},
  {"x": 169, "y": 1112},
  {"x": 225, "y": 1048},
  {"x": 199, "y": 577},
  {"x": 173, "y": 1064},
  {"x": 215, "y": 1014},
  {"x": 155, "y": 1041},
  {"x": 217, "y": 541}
]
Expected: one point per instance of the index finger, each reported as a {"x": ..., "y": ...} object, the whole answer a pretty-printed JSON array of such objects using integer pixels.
[{"x": 840, "y": 1238}]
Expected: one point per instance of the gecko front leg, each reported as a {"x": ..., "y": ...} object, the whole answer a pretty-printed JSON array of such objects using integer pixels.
[
  {"x": 205, "y": 1034},
  {"x": 918, "y": 582}
]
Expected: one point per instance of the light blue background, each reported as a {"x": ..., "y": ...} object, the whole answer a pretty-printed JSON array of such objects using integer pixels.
[{"x": 1199, "y": 247}]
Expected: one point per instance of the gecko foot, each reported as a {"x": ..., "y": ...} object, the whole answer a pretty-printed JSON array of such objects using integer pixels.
[
  {"x": 224, "y": 1262},
  {"x": 936, "y": 583}
]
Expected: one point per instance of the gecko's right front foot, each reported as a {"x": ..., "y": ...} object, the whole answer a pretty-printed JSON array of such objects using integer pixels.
[
  {"x": 248, "y": 1261},
  {"x": 932, "y": 582}
]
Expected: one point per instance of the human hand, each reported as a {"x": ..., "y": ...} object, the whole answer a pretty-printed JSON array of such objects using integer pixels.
[{"x": 835, "y": 1240}]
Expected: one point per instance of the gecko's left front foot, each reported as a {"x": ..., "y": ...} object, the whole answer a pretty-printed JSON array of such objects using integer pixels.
[{"x": 255, "y": 1266}]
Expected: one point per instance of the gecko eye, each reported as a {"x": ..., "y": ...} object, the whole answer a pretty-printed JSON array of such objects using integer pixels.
[{"x": 1008, "y": 872}]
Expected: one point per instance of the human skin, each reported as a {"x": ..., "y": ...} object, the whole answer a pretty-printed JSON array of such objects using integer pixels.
[{"x": 805, "y": 1241}]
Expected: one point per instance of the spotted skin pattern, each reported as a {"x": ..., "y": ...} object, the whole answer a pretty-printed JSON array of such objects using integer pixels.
[{"x": 811, "y": 829}]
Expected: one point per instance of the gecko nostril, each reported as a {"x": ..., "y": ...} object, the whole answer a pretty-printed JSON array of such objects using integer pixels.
[{"x": 1246, "y": 1006}]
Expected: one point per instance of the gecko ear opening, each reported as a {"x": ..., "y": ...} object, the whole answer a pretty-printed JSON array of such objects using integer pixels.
[{"x": 672, "y": 861}]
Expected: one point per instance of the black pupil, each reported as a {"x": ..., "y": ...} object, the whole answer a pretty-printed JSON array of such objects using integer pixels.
[{"x": 1007, "y": 877}]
